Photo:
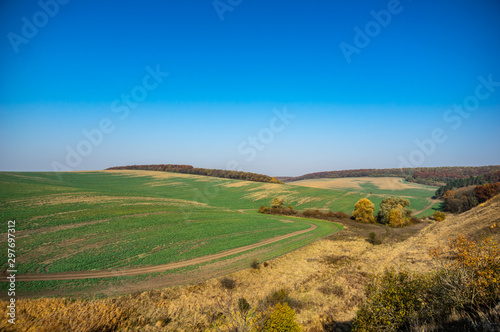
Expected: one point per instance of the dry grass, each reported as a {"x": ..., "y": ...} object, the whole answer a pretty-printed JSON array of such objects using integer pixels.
[
  {"x": 236, "y": 184},
  {"x": 386, "y": 183}
]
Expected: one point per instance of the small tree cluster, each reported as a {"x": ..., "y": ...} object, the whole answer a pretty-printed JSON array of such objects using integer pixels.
[
  {"x": 278, "y": 208},
  {"x": 394, "y": 211}
]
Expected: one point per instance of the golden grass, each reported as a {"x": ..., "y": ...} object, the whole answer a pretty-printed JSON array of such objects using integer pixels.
[
  {"x": 236, "y": 184},
  {"x": 269, "y": 190},
  {"x": 385, "y": 183}
]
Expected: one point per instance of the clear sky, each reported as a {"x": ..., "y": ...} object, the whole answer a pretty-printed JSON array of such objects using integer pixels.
[{"x": 275, "y": 87}]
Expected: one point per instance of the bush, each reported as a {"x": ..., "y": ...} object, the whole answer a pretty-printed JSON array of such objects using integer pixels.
[
  {"x": 228, "y": 283},
  {"x": 473, "y": 275},
  {"x": 342, "y": 215},
  {"x": 415, "y": 220},
  {"x": 395, "y": 301},
  {"x": 278, "y": 211},
  {"x": 265, "y": 209},
  {"x": 255, "y": 264},
  {"x": 373, "y": 239},
  {"x": 282, "y": 318},
  {"x": 438, "y": 216},
  {"x": 465, "y": 289},
  {"x": 277, "y": 296},
  {"x": 277, "y": 203}
]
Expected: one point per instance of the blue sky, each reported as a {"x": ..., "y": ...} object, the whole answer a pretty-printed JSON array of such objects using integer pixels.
[{"x": 205, "y": 81}]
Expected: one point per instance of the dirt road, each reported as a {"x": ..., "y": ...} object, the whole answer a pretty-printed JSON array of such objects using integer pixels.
[
  {"x": 152, "y": 269},
  {"x": 433, "y": 201}
]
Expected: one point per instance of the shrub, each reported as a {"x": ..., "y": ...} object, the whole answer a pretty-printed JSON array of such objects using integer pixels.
[
  {"x": 415, "y": 220},
  {"x": 472, "y": 277},
  {"x": 264, "y": 209},
  {"x": 228, "y": 283},
  {"x": 373, "y": 239},
  {"x": 465, "y": 289},
  {"x": 278, "y": 210},
  {"x": 255, "y": 264},
  {"x": 277, "y": 296},
  {"x": 438, "y": 216},
  {"x": 243, "y": 305},
  {"x": 312, "y": 213},
  {"x": 277, "y": 203},
  {"x": 282, "y": 318},
  {"x": 342, "y": 215},
  {"x": 394, "y": 302},
  {"x": 363, "y": 211}
]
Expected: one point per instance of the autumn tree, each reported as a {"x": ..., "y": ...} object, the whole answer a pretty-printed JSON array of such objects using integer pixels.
[
  {"x": 363, "y": 211},
  {"x": 397, "y": 217},
  {"x": 390, "y": 203},
  {"x": 486, "y": 191}
]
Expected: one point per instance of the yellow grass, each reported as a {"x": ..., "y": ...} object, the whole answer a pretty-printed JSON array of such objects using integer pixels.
[
  {"x": 236, "y": 184},
  {"x": 385, "y": 183}
]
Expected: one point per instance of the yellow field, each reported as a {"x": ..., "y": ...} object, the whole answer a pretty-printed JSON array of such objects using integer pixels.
[{"x": 384, "y": 183}]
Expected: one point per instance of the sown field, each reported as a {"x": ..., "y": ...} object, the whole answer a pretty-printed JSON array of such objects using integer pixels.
[
  {"x": 111, "y": 221},
  {"x": 378, "y": 188},
  {"x": 120, "y": 221}
]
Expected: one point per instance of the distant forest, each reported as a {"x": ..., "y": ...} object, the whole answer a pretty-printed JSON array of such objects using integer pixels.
[
  {"x": 434, "y": 176},
  {"x": 188, "y": 169}
]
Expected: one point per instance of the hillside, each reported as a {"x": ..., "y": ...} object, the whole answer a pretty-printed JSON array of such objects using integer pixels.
[
  {"x": 323, "y": 281},
  {"x": 188, "y": 169},
  {"x": 435, "y": 176}
]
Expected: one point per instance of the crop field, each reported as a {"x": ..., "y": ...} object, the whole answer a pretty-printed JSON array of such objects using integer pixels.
[
  {"x": 116, "y": 221},
  {"x": 378, "y": 188},
  {"x": 122, "y": 220}
]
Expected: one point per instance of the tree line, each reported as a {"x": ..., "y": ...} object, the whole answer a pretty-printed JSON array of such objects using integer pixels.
[
  {"x": 492, "y": 177},
  {"x": 436, "y": 176},
  {"x": 188, "y": 169}
]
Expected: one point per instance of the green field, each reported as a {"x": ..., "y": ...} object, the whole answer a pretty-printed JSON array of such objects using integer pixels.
[
  {"x": 120, "y": 220},
  {"x": 376, "y": 189},
  {"x": 117, "y": 220}
]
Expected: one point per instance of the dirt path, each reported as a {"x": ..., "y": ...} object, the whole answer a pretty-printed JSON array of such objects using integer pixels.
[
  {"x": 433, "y": 201},
  {"x": 156, "y": 268}
]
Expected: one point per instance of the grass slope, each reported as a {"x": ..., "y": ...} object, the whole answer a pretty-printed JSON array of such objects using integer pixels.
[{"x": 118, "y": 220}]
